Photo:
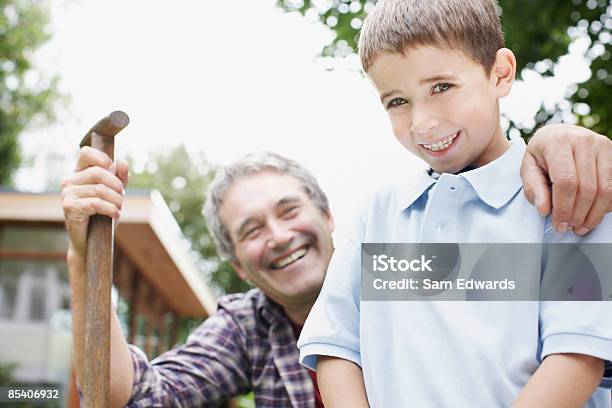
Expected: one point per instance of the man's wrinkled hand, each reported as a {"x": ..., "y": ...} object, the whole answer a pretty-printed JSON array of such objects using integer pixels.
[
  {"x": 96, "y": 187},
  {"x": 577, "y": 163}
]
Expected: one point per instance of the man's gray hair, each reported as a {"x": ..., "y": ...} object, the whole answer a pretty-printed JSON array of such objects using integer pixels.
[{"x": 250, "y": 164}]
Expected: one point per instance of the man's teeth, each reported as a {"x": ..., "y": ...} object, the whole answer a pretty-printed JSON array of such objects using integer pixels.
[
  {"x": 444, "y": 144},
  {"x": 294, "y": 256}
]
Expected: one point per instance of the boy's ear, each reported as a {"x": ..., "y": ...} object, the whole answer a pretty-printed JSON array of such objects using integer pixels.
[
  {"x": 239, "y": 270},
  {"x": 504, "y": 71}
]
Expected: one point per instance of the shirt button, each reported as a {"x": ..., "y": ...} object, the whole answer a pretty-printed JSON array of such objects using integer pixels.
[
  {"x": 452, "y": 190},
  {"x": 440, "y": 227}
]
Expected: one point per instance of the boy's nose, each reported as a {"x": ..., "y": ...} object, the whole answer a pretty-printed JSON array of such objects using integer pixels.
[
  {"x": 422, "y": 121},
  {"x": 423, "y": 127}
]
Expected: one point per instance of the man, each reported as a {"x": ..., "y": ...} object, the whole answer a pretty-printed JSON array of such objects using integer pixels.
[{"x": 272, "y": 221}]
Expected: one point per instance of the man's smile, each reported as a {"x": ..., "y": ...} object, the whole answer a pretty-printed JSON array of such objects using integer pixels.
[{"x": 292, "y": 257}]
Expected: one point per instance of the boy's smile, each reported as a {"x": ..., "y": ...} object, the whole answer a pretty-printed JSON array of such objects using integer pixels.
[
  {"x": 442, "y": 145},
  {"x": 443, "y": 106}
]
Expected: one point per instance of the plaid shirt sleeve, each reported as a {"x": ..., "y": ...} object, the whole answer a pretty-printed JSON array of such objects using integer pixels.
[
  {"x": 607, "y": 378},
  {"x": 209, "y": 368}
]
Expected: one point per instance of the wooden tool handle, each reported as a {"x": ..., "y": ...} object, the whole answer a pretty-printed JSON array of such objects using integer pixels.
[
  {"x": 96, "y": 377},
  {"x": 108, "y": 126}
]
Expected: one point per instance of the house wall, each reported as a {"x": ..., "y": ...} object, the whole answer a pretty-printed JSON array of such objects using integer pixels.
[
  {"x": 35, "y": 331},
  {"x": 35, "y": 320}
]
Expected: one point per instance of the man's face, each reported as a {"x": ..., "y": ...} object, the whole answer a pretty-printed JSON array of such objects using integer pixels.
[
  {"x": 442, "y": 106},
  {"x": 282, "y": 240}
]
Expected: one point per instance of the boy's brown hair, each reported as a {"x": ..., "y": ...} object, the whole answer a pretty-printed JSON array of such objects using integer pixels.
[{"x": 473, "y": 26}]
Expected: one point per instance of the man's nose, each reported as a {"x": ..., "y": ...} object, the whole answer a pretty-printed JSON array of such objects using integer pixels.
[
  {"x": 423, "y": 121},
  {"x": 279, "y": 236}
]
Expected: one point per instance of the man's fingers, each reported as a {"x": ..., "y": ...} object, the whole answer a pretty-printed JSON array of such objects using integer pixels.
[
  {"x": 92, "y": 157},
  {"x": 90, "y": 206},
  {"x": 586, "y": 168},
  {"x": 123, "y": 171},
  {"x": 564, "y": 179},
  {"x": 94, "y": 190},
  {"x": 603, "y": 198},
  {"x": 554, "y": 148},
  {"x": 535, "y": 184},
  {"x": 94, "y": 175},
  {"x": 593, "y": 219}
]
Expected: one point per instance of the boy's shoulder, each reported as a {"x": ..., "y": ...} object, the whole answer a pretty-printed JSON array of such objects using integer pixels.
[{"x": 378, "y": 205}]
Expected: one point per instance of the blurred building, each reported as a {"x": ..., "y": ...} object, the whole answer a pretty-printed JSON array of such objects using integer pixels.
[{"x": 155, "y": 282}]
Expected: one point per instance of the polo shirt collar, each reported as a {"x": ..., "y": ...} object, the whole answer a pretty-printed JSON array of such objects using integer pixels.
[
  {"x": 495, "y": 183},
  {"x": 406, "y": 197}
]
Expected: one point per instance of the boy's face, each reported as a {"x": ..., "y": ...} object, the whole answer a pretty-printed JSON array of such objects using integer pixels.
[{"x": 443, "y": 106}]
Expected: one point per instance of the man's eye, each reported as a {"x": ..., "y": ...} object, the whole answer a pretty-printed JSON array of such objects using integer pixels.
[
  {"x": 393, "y": 103},
  {"x": 251, "y": 233},
  {"x": 290, "y": 212},
  {"x": 439, "y": 88}
]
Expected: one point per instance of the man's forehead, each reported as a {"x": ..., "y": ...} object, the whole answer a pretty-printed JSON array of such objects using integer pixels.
[
  {"x": 258, "y": 192},
  {"x": 266, "y": 183}
]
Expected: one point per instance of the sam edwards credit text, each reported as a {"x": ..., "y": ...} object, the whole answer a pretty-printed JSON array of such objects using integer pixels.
[{"x": 431, "y": 284}]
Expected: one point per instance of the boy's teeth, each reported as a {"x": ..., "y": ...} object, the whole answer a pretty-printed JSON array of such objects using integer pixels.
[
  {"x": 444, "y": 144},
  {"x": 292, "y": 257}
]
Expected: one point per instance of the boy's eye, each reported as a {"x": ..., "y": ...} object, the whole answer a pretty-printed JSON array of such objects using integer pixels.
[
  {"x": 439, "y": 88},
  {"x": 393, "y": 103}
]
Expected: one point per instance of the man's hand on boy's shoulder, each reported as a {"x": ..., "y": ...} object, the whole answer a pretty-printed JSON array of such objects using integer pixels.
[{"x": 578, "y": 164}]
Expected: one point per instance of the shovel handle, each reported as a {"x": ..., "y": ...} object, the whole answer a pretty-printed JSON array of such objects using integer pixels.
[{"x": 96, "y": 379}]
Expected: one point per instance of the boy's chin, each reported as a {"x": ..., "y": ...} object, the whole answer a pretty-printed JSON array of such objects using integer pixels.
[
  {"x": 451, "y": 169},
  {"x": 441, "y": 166}
]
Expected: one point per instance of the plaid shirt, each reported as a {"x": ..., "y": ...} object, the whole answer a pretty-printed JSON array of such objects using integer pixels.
[{"x": 247, "y": 345}]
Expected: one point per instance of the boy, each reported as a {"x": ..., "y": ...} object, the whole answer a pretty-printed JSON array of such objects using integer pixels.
[{"x": 440, "y": 69}]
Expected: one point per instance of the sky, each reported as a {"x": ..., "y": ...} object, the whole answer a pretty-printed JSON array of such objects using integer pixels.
[{"x": 226, "y": 78}]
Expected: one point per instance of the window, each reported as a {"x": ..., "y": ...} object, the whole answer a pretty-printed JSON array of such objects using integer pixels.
[
  {"x": 32, "y": 291},
  {"x": 37, "y": 310},
  {"x": 8, "y": 291},
  {"x": 33, "y": 239}
]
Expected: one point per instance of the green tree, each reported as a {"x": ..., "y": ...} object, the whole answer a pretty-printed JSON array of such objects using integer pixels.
[
  {"x": 538, "y": 31},
  {"x": 6, "y": 373},
  {"x": 24, "y": 93},
  {"x": 182, "y": 181}
]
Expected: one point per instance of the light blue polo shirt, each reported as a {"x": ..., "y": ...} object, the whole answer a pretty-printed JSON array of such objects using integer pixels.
[{"x": 452, "y": 354}]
